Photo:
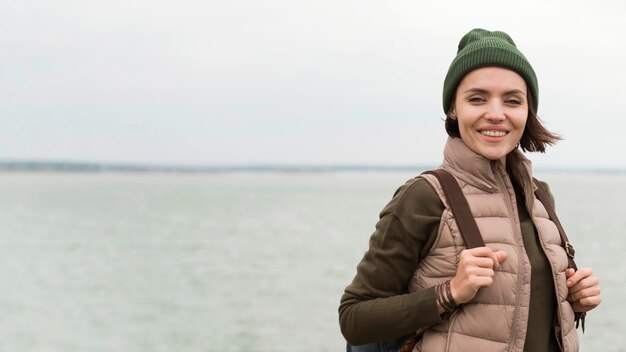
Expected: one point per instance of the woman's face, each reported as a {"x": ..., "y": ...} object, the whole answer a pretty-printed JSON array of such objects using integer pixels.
[{"x": 491, "y": 107}]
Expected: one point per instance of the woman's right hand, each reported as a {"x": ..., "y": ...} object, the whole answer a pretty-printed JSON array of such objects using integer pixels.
[{"x": 475, "y": 270}]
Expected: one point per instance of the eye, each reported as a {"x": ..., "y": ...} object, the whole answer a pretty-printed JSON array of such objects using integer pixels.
[
  {"x": 514, "y": 101},
  {"x": 476, "y": 99}
]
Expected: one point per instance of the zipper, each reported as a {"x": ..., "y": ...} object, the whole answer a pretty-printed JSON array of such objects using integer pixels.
[{"x": 520, "y": 261}]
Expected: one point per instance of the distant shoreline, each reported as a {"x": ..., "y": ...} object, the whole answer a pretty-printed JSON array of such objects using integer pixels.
[
  {"x": 96, "y": 167},
  {"x": 81, "y": 167}
]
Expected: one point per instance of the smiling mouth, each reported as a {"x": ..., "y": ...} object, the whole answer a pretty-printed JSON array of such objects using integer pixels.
[{"x": 493, "y": 133}]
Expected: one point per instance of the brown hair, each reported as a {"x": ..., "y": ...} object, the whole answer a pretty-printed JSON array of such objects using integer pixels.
[{"x": 534, "y": 139}]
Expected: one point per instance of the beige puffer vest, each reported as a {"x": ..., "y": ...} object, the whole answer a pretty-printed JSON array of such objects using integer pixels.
[{"x": 496, "y": 319}]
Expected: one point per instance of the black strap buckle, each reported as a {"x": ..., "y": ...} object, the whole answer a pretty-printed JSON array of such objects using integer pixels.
[{"x": 569, "y": 249}]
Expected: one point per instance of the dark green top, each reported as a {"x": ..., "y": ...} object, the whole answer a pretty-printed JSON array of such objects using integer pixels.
[
  {"x": 376, "y": 306},
  {"x": 540, "y": 335}
]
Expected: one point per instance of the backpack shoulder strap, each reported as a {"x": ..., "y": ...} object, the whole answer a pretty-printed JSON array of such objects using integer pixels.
[
  {"x": 461, "y": 210},
  {"x": 543, "y": 196}
]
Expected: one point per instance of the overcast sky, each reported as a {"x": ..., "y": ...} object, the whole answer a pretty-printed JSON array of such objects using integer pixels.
[{"x": 306, "y": 82}]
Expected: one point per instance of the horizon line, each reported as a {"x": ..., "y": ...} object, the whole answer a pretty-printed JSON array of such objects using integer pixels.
[{"x": 78, "y": 166}]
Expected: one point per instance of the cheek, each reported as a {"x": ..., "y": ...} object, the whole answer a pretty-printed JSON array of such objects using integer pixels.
[
  {"x": 466, "y": 121},
  {"x": 465, "y": 130},
  {"x": 521, "y": 121}
]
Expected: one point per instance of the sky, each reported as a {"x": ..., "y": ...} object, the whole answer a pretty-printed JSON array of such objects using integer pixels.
[{"x": 290, "y": 82}]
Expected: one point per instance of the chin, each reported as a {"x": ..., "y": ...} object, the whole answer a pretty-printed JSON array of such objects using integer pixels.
[{"x": 493, "y": 155}]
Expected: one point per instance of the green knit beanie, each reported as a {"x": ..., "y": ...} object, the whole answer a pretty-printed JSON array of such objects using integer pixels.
[{"x": 481, "y": 48}]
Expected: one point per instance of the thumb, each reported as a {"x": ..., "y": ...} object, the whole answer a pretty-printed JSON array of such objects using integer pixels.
[{"x": 500, "y": 256}]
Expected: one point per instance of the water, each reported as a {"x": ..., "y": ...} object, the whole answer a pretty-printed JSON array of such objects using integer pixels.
[{"x": 232, "y": 261}]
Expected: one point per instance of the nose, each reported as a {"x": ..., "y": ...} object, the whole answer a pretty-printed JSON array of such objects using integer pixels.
[{"x": 495, "y": 112}]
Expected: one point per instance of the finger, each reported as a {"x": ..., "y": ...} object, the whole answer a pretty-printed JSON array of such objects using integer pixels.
[
  {"x": 584, "y": 293},
  {"x": 480, "y": 252},
  {"x": 589, "y": 281},
  {"x": 486, "y": 252},
  {"x": 586, "y": 304},
  {"x": 578, "y": 275},
  {"x": 483, "y": 262},
  {"x": 469, "y": 260},
  {"x": 591, "y": 301},
  {"x": 480, "y": 272},
  {"x": 569, "y": 272},
  {"x": 468, "y": 271},
  {"x": 481, "y": 281},
  {"x": 494, "y": 258}
]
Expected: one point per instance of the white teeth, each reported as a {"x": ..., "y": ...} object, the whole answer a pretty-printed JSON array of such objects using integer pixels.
[{"x": 493, "y": 133}]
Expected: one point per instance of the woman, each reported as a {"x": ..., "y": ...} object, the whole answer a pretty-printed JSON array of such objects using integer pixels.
[{"x": 516, "y": 293}]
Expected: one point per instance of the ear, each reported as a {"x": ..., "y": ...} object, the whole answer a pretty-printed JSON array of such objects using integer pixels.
[{"x": 452, "y": 112}]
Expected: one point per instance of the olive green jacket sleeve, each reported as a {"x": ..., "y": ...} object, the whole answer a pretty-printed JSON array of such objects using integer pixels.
[{"x": 376, "y": 306}]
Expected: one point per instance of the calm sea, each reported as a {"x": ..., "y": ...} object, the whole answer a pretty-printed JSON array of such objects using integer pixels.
[{"x": 231, "y": 261}]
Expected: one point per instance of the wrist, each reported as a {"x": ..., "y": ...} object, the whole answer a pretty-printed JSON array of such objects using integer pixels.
[{"x": 445, "y": 300}]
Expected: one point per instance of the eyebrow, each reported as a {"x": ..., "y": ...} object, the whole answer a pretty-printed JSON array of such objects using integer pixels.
[{"x": 484, "y": 91}]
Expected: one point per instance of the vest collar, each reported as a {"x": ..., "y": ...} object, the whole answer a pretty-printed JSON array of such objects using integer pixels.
[{"x": 480, "y": 172}]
